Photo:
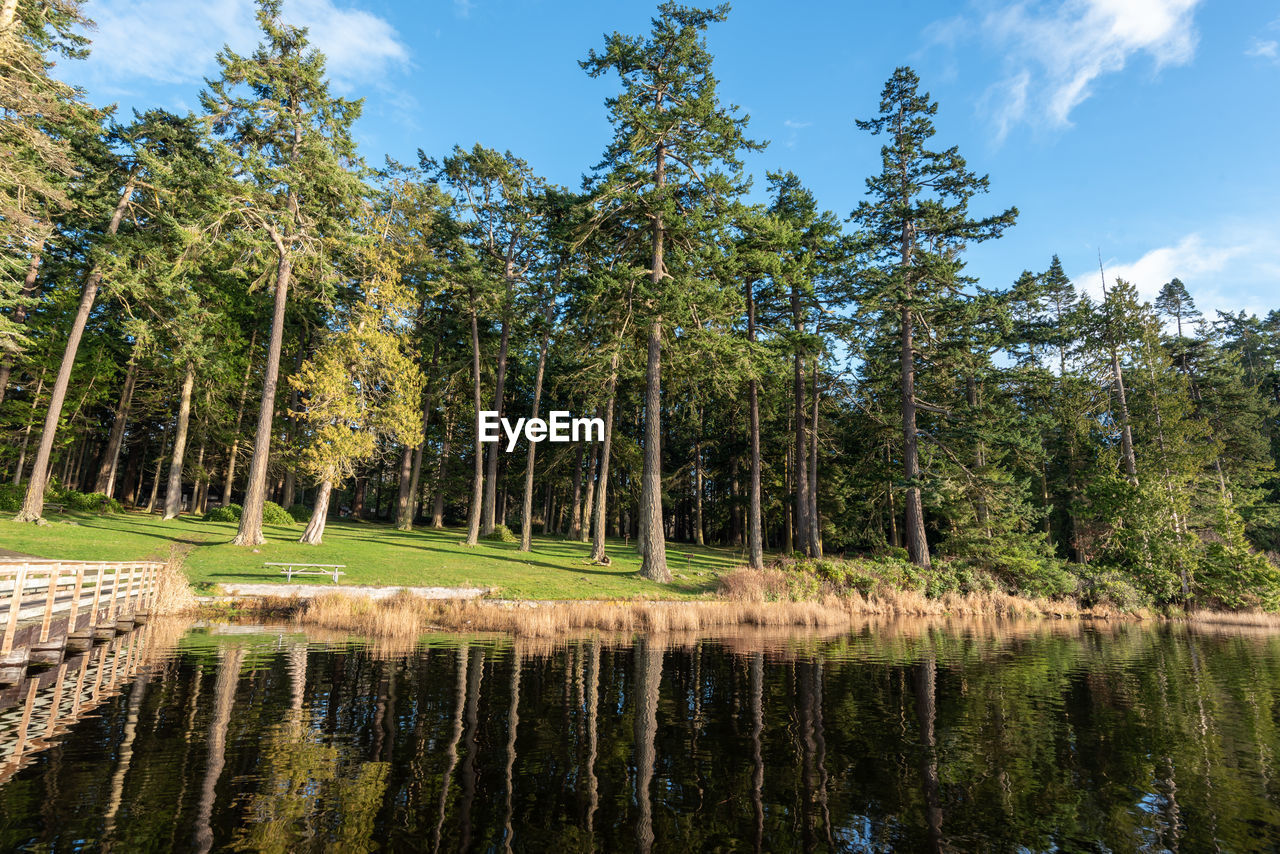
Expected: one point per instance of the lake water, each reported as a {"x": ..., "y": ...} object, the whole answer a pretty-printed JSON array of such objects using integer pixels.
[{"x": 910, "y": 737}]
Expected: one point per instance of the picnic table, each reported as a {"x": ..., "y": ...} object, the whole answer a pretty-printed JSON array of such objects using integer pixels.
[{"x": 292, "y": 569}]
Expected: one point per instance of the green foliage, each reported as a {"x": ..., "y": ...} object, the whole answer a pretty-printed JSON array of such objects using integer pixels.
[
  {"x": 1115, "y": 588},
  {"x": 1232, "y": 574},
  {"x": 226, "y": 513},
  {"x": 90, "y": 502},
  {"x": 502, "y": 534},
  {"x": 11, "y": 497},
  {"x": 274, "y": 514},
  {"x": 299, "y": 512}
]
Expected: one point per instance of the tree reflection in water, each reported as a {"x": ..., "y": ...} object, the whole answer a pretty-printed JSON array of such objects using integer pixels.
[{"x": 936, "y": 737}]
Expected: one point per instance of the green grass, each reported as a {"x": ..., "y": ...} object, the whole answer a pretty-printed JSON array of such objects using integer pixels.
[{"x": 375, "y": 554}]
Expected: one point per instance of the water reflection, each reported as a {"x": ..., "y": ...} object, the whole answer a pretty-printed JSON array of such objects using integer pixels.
[{"x": 908, "y": 736}]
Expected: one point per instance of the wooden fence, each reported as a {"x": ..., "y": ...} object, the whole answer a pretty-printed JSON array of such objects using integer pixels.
[{"x": 50, "y": 607}]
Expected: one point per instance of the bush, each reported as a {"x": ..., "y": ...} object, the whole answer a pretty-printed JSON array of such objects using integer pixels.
[
  {"x": 90, "y": 502},
  {"x": 300, "y": 512},
  {"x": 11, "y": 497},
  {"x": 274, "y": 514},
  {"x": 1110, "y": 587},
  {"x": 228, "y": 513},
  {"x": 503, "y": 534}
]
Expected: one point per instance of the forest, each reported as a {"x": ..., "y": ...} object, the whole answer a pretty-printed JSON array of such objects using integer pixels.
[{"x": 232, "y": 313}]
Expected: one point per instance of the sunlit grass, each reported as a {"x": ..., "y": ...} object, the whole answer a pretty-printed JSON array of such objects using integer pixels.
[{"x": 375, "y": 554}]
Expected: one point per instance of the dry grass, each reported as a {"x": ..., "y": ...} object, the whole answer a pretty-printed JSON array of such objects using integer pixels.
[
  {"x": 406, "y": 616},
  {"x": 399, "y": 616},
  {"x": 173, "y": 593}
]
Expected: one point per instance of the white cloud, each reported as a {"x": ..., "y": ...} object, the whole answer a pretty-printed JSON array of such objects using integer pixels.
[
  {"x": 1235, "y": 269},
  {"x": 1264, "y": 49},
  {"x": 1055, "y": 53},
  {"x": 796, "y": 125},
  {"x": 171, "y": 42}
]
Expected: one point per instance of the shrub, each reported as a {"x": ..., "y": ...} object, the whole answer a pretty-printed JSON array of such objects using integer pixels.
[
  {"x": 11, "y": 497},
  {"x": 300, "y": 512},
  {"x": 91, "y": 502},
  {"x": 503, "y": 534},
  {"x": 1110, "y": 587},
  {"x": 274, "y": 514},
  {"x": 228, "y": 513}
]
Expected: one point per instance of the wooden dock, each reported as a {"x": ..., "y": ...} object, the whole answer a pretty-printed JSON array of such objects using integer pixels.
[{"x": 49, "y": 608}]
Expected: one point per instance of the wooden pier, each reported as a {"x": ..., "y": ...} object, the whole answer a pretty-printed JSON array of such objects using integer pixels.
[{"x": 49, "y": 608}]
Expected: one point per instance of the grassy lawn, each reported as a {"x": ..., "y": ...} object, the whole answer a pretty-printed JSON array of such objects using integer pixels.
[{"x": 374, "y": 554}]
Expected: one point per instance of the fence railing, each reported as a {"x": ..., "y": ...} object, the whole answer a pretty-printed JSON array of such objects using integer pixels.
[{"x": 66, "y": 599}]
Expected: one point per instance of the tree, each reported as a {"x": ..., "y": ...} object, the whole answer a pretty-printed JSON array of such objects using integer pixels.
[
  {"x": 290, "y": 142},
  {"x": 915, "y": 225},
  {"x": 498, "y": 193},
  {"x": 1174, "y": 301},
  {"x": 671, "y": 166},
  {"x": 360, "y": 388}
]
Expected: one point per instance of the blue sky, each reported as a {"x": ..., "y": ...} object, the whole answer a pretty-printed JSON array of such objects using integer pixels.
[{"x": 1143, "y": 129}]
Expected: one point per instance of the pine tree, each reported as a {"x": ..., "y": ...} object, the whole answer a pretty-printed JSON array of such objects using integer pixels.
[
  {"x": 291, "y": 145},
  {"x": 673, "y": 162},
  {"x": 915, "y": 224}
]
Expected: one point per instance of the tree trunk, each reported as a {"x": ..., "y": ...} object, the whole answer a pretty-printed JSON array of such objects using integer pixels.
[
  {"x": 598, "y": 554},
  {"x": 315, "y": 525},
  {"x": 415, "y": 477},
  {"x": 652, "y": 542},
  {"x": 404, "y": 493},
  {"x": 26, "y": 433},
  {"x": 110, "y": 460},
  {"x": 526, "y": 513},
  {"x": 697, "y": 486},
  {"x": 491, "y": 476},
  {"x": 575, "y": 519},
  {"x": 437, "y": 504},
  {"x": 755, "y": 547},
  {"x": 477, "y": 483},
  {"x": 1122, "y": 402},
  {"x": 155, "y": 478},
  {"x": 801, "y": 455},
  {"x": 588, "y": 507},
  {"x": 234, "y": 450},
  {"x": 33, "y": 504},
  {"x": 255, "y": 494},
  {"x": 357, "y": 502},
  {"x": 815, "y": 523},
  {"x": 20, "y": 310},
  {"x": 201, "y": 488},
  {"x": 917, "y": 544},
  {"x": 173, "y": 493}
]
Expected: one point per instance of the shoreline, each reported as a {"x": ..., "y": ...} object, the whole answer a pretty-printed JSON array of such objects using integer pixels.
[{"x": 403, "y": 615}]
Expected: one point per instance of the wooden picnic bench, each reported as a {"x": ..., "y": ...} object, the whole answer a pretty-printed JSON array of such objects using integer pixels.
[
  {"x": 50, "y": 505},
  {"x": 291, "y": 569}
]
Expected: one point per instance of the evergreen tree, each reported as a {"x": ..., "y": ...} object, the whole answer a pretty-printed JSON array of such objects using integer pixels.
[
  {"x": 915, "y": 224},
  {"x": 295, "y": 160},
  {"x": 672, "y": 164}
]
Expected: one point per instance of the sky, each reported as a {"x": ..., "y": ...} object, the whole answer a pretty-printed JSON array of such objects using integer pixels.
[{"x": 1141, "y": 130}]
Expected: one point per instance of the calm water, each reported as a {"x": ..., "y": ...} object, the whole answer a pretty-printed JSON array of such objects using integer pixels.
[{"x": 907, "y": 738}]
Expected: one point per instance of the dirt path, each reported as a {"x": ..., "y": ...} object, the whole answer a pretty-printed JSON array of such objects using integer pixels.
[{"x": 310, "y": 591}]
